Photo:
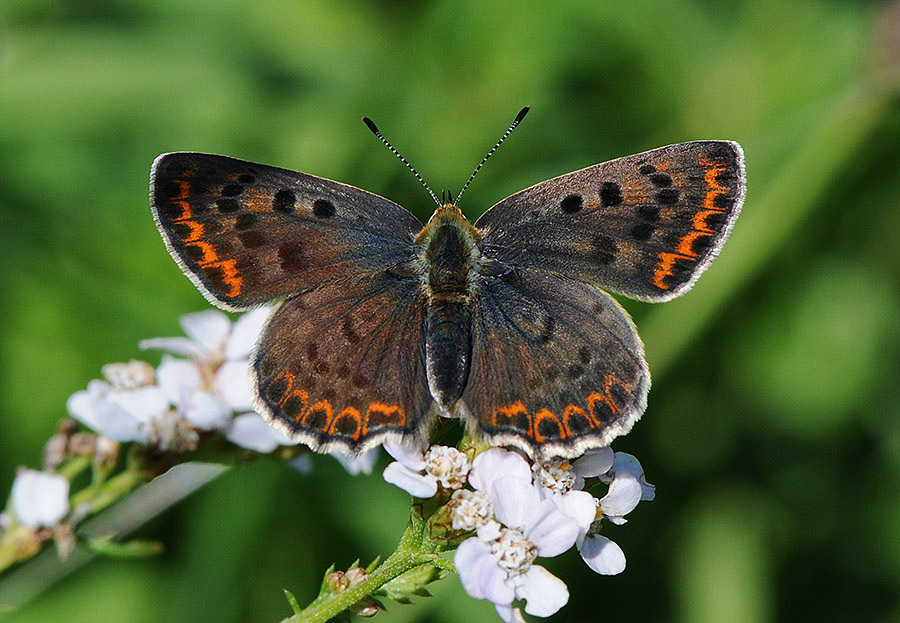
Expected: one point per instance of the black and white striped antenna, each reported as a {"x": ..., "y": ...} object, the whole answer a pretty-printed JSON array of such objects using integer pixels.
[
  {"x": 509, "y": 130},
  {"x": 371, "y": 125}
]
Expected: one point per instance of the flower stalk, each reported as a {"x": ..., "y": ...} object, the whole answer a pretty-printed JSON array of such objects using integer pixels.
[{"x": 415, "y": 549}]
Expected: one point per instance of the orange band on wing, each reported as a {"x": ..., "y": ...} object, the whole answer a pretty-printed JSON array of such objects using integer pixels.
[{"x": 684, "y": 249}]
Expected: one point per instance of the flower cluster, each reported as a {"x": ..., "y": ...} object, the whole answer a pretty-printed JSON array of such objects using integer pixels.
[
  {"x": 202, "y": 384},
  {"x": 501, "y": 511},
  {"x": 518, "y": 512}
]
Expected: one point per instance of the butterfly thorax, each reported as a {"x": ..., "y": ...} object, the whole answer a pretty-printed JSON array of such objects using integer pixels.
[{"x": 449, "y": 260}]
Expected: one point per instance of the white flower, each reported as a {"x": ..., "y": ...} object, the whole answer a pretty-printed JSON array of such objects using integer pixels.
[
  {"x": 40, "y": 499},
  {"x": 419, "y": 472},
  {"x": 627, "y": 487},
  {"x": 498, "y": 564},
  {"x": 120, "y": 414},
  {"x": 497, "y": 463},
  {"x": 219, "y": 351},
  {"x": 357, "y": 464},
  {"x": 167, "y": 407},
  {"x": 183, "y": 383},
  {"x": 251, "y": 431},
  {"x": 470, "y": 509},
  {"x": 562, "y": 482},
  {"x": 131, "y": 375},
  {"x": 625, "y": 462}
]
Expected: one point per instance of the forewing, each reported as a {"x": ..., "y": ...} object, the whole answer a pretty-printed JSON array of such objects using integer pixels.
[
  {"x": 645, "y": 225},
  {"x": 557, "y": 366},
  {"x": 248, "y": 233},
  {"x": 342, "y": 366}
]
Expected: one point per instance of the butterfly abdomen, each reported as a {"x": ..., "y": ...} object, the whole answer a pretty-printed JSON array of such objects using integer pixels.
[{"x": 450, "y": 258}]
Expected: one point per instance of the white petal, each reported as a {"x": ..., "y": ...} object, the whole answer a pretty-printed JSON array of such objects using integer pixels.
[
  {"x": 250, "y": 431},
  {"x": 118, "y": 424},
  {"x": 480, "y": 574},
  {"x": 594, "y": 462},
  {"x": 303, "y": 463},
  {"x": 579, "y": 505},
  {"x": 602, "y": 555},
  {"x": 543, "y": 592},
  {"x": 496, "y": 463},
  {"x": 550, "y": 530},
  {"x": 174, "y": 375},
  {"x": 623, "y": 495},
  {"x": 414, "y": 483},
  {"x": 489, "y": 531},
  {"x": 358, "y": 464},
  {"x": 40, "y": 499},
  {"x": 204, "y": 411},
  {"x": 208, "y": 328},
  {"x": 280, "y": 438},
  {"x": 175, "y": 345},
  {"x": 629, "y": 463},
  {"x": 411, "y": 453},
  {"x": 508, "y": 614},
  {"x": 143, "y": 404},
  {"x": 232, "y": 382},
  {"x": 514, "y": 500},
  {"x": 83, "y": 405},
  {"x": 245, "y": 333}
]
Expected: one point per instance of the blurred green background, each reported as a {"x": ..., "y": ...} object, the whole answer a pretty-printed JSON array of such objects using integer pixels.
[{"x": 772, "y": 433}]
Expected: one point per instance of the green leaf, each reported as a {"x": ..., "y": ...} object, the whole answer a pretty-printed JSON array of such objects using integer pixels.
[
  {"x": 323, "y": 589},
  {"x": 402, "y": 588},
  {"x": 295, "y": 605}
]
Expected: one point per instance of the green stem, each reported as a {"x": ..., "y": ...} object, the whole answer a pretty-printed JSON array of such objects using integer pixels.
[
  {"x": 414, "y": 550},
  {"x": 99, "y": 497},
  {"x": 71, "y": 468}
]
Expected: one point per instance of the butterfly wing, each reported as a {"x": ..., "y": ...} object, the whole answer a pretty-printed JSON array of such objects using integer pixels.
[
  {"x": 557, "y": 365},
  {"x": 645, "y": 225},
  {"x": 342, "y": 365},
  {"x": 247, "y": 233},
  {"x": 339, "y": 364}
]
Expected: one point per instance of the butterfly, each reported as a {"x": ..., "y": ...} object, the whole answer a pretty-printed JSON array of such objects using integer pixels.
[{"x": 383, "y": 325}]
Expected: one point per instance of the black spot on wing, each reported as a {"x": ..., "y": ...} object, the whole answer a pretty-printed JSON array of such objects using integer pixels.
[
  {"x": 611, "y": 194},
  {"x": 667, "y": 196},
  {"x": 605, "y": 249},
  {"x": 227, "y": 205},
  {"x": 571, "y": 204},
  {"x": 284, "y": 201},
  {"x": 323, "y": 208}
]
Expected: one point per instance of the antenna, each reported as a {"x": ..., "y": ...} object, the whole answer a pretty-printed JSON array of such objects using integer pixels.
[
  {"x": 371, "y": 125},
  {"x": 509, "y": 130}
]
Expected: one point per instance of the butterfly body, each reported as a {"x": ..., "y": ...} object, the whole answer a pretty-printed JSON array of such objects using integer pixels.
[
  {"x": 449, "y": 260},
  {"x": 383, "y": 324}
]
